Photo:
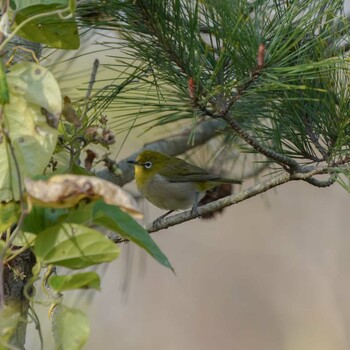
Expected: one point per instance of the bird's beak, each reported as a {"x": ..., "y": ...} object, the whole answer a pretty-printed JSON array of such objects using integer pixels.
[{"x": 134, "y": 162}]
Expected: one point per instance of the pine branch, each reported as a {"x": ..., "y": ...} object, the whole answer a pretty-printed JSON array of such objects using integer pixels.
[
  {"x": 264, "y": 64},
  {"x": 260, "y": 68},
  {"x": 326, "y": 183},
  {"x": 236, "y": 198},
  {"x": 314, "y": 139}
]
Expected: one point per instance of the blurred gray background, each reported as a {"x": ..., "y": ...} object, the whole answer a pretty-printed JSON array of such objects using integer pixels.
[{"x": 270, "y": 273}]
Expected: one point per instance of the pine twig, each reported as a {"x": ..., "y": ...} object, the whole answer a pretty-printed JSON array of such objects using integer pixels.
[{"x": 279, "y": 158}]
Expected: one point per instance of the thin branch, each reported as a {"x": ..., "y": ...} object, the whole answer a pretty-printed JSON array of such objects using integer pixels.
[
  {"x": 325, "y": 183},
  {"x": 225, "y": 115},
  {"x": 90, "y": 86},
  {"x": 314, "y": 139},
  {"x": 233, "y": 199},
  {"x": 253, "y": 78},
  {"x": 269, "y": 153}
]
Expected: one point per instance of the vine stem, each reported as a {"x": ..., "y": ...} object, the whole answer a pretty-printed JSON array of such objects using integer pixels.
[{"x": 19, "y": 223}]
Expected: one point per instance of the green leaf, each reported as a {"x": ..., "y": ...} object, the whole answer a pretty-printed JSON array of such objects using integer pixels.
[
  {"x": 74, "y": 246},
  {"x": 80, "y": 215},
  {"x": 32, "y": 87},
  {"x": 10, "y": 318},
  {"x": 34, "y": 222},
  {"x": 5, "y": 254},
  {"x": 40, "y": 218},
  {"x": 4, "y": 91},
  {"x": 79, "y": 170},
  {"x": 82, "y": 280},
  {"x": 24, "y": 239},
  {"x": 71, "y": 328},
  {"x": 21, "y": 4},
  {"x": 116, "y": 220},
  {"x": 36, "y": 85},
  {"x": 52, "y": 30},
  {"x": 8, "y": 215}
]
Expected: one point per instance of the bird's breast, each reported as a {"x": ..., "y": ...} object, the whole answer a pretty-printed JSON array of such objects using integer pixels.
[{"x": 169, "y": 195}]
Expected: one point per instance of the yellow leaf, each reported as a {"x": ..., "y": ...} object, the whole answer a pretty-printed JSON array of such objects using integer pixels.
[
  {"x": 36, "y": 84},
  {"x": 32, "y": 89}
]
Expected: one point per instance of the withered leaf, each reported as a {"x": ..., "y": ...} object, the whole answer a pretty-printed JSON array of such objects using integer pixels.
[
  {"x": 67, "y": 190},
  {"x": 69, "y": 112},
  {"x": 90, "y": 157}
]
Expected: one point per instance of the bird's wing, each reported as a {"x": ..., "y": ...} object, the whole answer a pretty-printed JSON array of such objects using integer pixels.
[{"x": 181, "y": 171}]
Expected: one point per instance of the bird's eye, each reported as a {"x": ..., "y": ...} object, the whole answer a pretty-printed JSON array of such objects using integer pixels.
[{"x": 147, "y": 165}]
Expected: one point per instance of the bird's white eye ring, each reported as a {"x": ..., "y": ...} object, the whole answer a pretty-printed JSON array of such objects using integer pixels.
[{"x": 147, "y": 165}]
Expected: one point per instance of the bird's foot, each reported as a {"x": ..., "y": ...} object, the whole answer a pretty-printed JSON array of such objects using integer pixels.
[
  {"x": 194, "y": 211},
  {"x": 156, "y": 223}
]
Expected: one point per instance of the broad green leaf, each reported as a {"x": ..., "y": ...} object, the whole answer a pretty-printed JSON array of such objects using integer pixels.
[
  {"x": 2, "y": 247},
  {"x": 116, "y": 220},
  {"x": 82, "y": 280},
  {"x": 36, "y": 84},
  {"x": 4, "y": 91},
  {"x": 31, "y": 87},
  {"x": 80, "y": 215},
  {"x": 74, "y": 246},
  {"x": 24, "y": 239},
  {"x": 34, "y": 222},
  {"x": 52, "y": 30},
  {"x": 79, "y": 170},
  {"x": 21, "y": 4},
  {"x": 71, "y": 328},
  {"x": 8, "y": 215},
  {"x": 39, "y": 219},
  {"x": 10, "y": 318}
]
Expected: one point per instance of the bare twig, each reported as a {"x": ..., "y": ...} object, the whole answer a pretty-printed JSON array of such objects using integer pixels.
[{"x": 90, "y": 86}]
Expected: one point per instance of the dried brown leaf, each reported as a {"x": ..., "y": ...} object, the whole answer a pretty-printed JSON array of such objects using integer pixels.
[
  {"x": 69, "y": 112},
  {"x": 66, "y": 191}
]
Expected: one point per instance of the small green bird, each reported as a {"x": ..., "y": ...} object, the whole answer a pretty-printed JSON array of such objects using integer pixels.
[{"x": 171, "y": 183}]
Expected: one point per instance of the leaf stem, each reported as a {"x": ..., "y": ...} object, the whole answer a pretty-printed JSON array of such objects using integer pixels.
[{"x": 19, "y": 223}]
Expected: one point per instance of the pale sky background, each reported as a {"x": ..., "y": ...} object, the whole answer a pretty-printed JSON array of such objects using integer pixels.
[{"x": 272, "y": 273}]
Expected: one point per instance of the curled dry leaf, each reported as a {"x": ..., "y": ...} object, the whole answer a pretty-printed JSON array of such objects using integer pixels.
[
  {"x": 69, "y": 112},
  {"x": 100, "y": 135},
  {"x": 66, "y": 191},
  {"x": 90, "y": 157}
]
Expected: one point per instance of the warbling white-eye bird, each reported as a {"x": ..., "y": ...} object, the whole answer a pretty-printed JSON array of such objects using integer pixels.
[{"x": 172, "y": 183}]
